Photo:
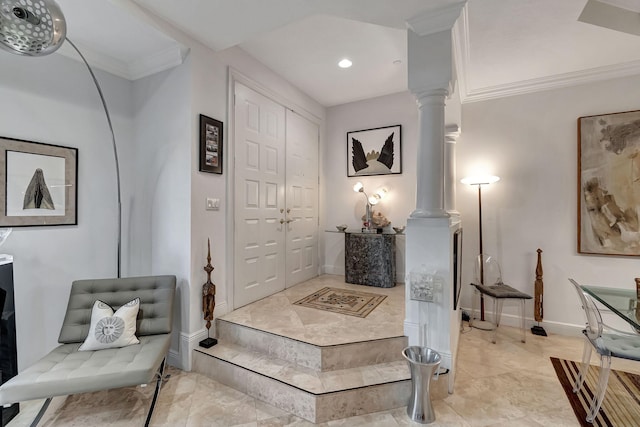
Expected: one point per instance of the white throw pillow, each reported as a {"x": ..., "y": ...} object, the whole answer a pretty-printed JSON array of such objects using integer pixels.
[{"x": 112, "y": 330}]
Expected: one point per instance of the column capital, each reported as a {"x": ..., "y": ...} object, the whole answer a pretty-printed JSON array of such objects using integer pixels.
[
  {"x": 431, "y": 97},
  {"x": 434, "y": 21},
  {"x": 451, "y": 133}
]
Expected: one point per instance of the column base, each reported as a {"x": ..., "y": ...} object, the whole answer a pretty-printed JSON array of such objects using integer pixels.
[{"x": 429, "y": 213}]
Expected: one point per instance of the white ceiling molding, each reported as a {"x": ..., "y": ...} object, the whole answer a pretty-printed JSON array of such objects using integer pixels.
[
  {"x": 461, "y": 50},
  {"x": 437, "y": 20},
  {"x": 157, "y": 62},
  {"x": 145, "y": 66},
  {"x": 553, "y": 82}
]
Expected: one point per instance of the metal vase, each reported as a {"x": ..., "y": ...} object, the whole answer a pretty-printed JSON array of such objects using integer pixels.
[{"x": 423, "y": 363}]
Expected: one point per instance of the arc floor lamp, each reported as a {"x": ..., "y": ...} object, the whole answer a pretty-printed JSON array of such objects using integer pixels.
[{"x": 38, "y": 28}]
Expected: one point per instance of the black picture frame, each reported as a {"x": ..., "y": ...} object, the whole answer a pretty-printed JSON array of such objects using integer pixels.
[
  {"x": 39, "y": 184},
  {"x": 376, "y": 151},
  {"x": 211, "y": 145},
  {"x": 457, "y": 267}
]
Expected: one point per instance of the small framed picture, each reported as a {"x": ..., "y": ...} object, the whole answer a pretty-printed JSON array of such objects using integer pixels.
[
  {"x": 374, "y": 151},
  {"x": 39, "y": 184},
  {"x": 210, "y": 145}
]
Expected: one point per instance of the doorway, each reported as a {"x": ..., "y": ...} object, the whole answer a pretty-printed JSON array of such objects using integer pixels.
[{"x": 276, "y": 197}]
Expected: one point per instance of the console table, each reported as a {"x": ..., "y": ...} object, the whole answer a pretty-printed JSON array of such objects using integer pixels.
[
  {"x": 8, "y": 354},
  {"x": 370, "y": 259}
]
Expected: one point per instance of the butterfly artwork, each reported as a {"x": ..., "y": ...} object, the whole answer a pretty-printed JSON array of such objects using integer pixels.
[{"x": 374, "y": 151}]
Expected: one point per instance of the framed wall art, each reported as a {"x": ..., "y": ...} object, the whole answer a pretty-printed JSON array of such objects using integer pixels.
[
  {"x": 374, "y": 151},
  {"x": 39, "y": 184},
  {"x": 210, "y": 145},
  {"x": 609, "y": 184}
]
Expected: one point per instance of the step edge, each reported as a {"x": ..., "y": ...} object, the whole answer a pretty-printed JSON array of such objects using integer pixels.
[
  {"x": 300, "y": 388},
  {"x": 308, "y": 343}
]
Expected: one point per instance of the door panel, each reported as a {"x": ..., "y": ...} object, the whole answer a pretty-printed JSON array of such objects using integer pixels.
[
  {"x": 260, "y": 196},
  {"x": 302, "y": 198}
]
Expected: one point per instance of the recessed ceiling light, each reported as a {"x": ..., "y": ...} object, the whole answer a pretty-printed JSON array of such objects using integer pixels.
[{"x": 345, "y": 63}]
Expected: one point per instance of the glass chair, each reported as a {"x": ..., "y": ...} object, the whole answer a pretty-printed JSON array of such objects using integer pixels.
[
  {"x": 488, "y": 283},
  {"x": 608, "y": 342}
]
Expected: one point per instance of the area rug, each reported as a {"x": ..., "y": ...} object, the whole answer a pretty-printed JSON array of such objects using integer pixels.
[
  {"x": 621, "y": 405},
  {"x": 343, "y": 301}
]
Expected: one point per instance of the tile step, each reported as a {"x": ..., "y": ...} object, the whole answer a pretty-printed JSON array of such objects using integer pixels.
[
  {"x": 306, "y": 379},
  {"x": 319, "y": 358},
  {"x": 315, "y": 396}
]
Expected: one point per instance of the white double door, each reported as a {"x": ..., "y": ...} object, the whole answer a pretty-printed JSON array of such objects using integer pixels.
[{"x": 276, "y": 197}]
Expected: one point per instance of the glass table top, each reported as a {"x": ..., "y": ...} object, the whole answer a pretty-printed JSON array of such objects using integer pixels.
[{"x": 623, "y": 302}]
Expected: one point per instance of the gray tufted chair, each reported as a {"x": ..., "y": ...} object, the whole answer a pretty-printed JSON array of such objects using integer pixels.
[
  {"x": 608, "y": 342},
  {"x": 65, "y": 370}
]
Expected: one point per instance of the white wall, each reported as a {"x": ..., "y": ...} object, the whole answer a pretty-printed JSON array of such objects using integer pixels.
[
  {"x": 53, "y": 100},
  {"x": 342, "y": 204},
  {"x": 161, "y": 202},
  {"x": 530, "y": 141}
]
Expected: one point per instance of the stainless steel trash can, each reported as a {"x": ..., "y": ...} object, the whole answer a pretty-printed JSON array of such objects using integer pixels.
[{"x": 423, "y": 363}]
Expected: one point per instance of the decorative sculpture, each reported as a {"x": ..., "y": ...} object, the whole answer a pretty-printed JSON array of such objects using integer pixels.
[
  {"x": 537, "y": 305},
  {"x": 637, "y": 279},
  {"x": 208, "y": 300}
]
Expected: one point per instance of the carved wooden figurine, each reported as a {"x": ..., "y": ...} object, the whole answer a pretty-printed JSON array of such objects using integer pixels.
[
  {"x": 637, "y": 279},
  {"x": 538, "y": 309},
  {"x": 208, "y": 300}
]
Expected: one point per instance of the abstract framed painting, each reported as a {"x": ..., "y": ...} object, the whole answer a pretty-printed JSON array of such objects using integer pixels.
[
  {"x": 210, "y": 145},
  {"x": 40, "y": 184},
  {"x": 609, "y": 184},
  {"x": 375, "y": 151}
]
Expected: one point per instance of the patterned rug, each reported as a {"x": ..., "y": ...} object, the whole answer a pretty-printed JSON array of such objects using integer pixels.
[
  {"x": 343, "y": 301},
  {"x": 621, "y": 405}
]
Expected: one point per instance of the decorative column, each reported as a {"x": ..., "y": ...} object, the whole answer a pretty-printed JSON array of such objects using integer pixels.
[
  {"x": 433, "y": 322},
  {"x": 451, "y": 135},
  {"x": 430, "y": 156}
]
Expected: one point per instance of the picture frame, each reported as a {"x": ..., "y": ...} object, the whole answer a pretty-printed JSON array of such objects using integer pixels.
[
  {"x": 608, "y": 191},
  {"x": 457, "y": 267},
  {"x": 211, "y": 145},
  {"x": 376, "y": 151},
  {"x": 40, "y": 184}
]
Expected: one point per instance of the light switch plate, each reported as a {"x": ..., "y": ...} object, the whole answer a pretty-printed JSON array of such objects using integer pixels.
[{"x": 212, "y": 204}]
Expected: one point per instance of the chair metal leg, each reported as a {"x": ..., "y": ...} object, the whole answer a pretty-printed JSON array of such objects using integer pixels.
[
  {"x": 586, "y": 357},
  {"x": 497, "y": 314},
  {"x": 522, "y": 321},
  {"x": 474, "y": 306},
  {"x": 41, "y": 412},
  {"x": 160, "y": 378},
  {"x": 603, "y": 379}
]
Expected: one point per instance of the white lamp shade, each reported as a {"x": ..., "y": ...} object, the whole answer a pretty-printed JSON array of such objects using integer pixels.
[
  {"x": 480, "y": 179},
  {"x": 358, "y": 187}
]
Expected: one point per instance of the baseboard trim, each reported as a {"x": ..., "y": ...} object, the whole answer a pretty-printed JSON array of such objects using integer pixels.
[{"x": 559, "y": 328}]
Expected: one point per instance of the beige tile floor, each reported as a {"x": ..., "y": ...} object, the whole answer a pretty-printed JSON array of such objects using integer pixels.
[
  {"x": 277, "y": 314},
  {"x": 503, "y": 384}
]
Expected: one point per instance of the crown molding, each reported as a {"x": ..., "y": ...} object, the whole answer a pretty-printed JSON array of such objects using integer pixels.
[
  {"x": 552, "y": 82},
  {"x": 435, "y": 21},
  {"x": 461, "y": 51},
  {"x": 157, "y": 62},
  {"x": 142, "y": 67}
]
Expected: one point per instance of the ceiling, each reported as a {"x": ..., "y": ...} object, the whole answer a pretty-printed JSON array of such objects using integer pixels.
[{"x": 503, "y": 47}]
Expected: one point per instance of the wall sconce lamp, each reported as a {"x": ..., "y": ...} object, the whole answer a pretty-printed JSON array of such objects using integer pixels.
[
  {"x": 372, "y": 200},
  {"x": 480, "y": 181}
]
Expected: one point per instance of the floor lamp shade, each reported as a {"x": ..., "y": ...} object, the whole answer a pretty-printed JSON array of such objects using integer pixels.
[{"x": 38, "y": 28}]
